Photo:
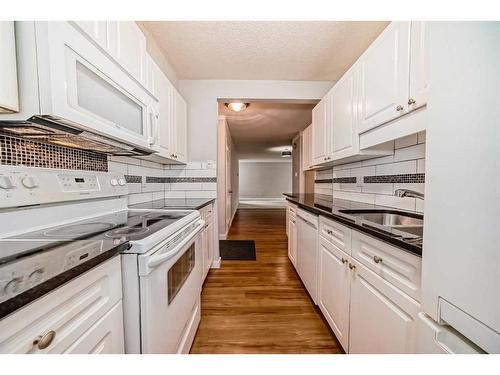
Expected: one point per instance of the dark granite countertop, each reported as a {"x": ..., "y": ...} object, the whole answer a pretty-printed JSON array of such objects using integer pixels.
[
  {"x": 326, "y": 206},
  {"x": 176, "y": 203}
]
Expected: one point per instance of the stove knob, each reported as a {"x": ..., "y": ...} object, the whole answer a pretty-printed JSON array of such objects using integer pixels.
[
  {"x": 36, "y": 276},
  {"x": 121, "y": 182},
  {"x": 113, "y": 182},
  {"x": 6, "y": 183},
  {"x": 29, "y": 182},
  {"x": 13, "y": 285}
]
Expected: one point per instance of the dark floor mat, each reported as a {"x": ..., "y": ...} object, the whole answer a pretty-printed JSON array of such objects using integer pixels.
[{"x": 237, "y": 249}]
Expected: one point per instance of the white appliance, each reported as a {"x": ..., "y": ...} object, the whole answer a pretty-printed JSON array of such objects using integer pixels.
[
  {"x": 162, "y": 278},
  {"x": 307, "y": 251},
  {"x": 73, "y": 93},
  {"x": 76, "y": 218},
  {"x": 461, "y": 253}
]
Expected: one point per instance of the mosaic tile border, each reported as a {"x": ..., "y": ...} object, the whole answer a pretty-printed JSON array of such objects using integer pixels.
[
  {"x": 323, "y": 181},
  {"x": 131, "y": 179},
  {"x": 156, "y": 180},
  {"x": 410, "y": 178},
  {"x": 191, "y": 179},
  {"x": 28, "y": 153},
  {"x": 344, "y": 180}
]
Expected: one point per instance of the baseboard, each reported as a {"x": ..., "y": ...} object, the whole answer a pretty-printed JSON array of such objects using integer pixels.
[
  {"x": 216, "y": 263},
  {"x": 223, "y": 236},
  {"x": 263, "y": 199}
]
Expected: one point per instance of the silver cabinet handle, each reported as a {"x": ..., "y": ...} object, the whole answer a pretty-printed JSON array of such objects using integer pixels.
[
  {"x": 43, "y": 342},
  {"x": 328, "y": 231},
  {"x": 344, "y": 261},
  {"x": 411, "y": 101},
  {"x": 377, "y": 259},
  {"x": 399, "y": 108},
  {"x": 352, "y": 266}
]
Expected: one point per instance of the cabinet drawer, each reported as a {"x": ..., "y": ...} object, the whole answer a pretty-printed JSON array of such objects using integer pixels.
[
  {"x": 401, "y": 269},
  {"x": 336, "y": 233},
  {"x": 69, "y": 311},
  {"x": 292, "y": 209}
]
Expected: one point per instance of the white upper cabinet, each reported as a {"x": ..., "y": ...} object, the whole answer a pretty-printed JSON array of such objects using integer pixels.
[
  {"x": 320, "y": 131},
  {"x": 96, "y": 30},
  {"x": 307, "y": 148},
  {"x": 9, "y": 101},
  {"x": 127, "y": 45},
  {"x": 384, "y": 71},
  {"x": 343, "y": 116},
  {"x": 180, "y": 128},
  {"x": 419, "y": 84}
]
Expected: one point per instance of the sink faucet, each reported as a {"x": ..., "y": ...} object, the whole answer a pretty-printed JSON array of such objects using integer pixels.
[{"x": 408, "y": 193}]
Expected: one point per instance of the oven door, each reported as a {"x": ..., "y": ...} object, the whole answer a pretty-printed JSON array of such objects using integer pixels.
[{"x": 170, "y": 295}]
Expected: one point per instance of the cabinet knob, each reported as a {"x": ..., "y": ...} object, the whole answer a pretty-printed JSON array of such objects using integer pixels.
[
  {"x": 352, "y": 266},
  {"x": 399, "y": 108},
  {"x": 43, "y": 342},
  {"x": 344, "y": 261},
  {"x": 377, "y": 259},
  {"x": 329, "y": 231},
  {"x": 411, "y": 101}
]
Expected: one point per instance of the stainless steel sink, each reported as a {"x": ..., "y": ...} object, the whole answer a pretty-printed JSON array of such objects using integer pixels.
[{"x": 406, "y": 222}]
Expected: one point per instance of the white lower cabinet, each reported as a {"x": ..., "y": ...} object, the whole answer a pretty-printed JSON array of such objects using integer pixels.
[
  {"x": 292, "y": 239},
  {"x": 334, "y": 289},
  {"x": 208, "y": 237},
  {"x": 382, "y": 318},
  {"x": 83, "y": 316},
  {"x": 369, "y": 309}
]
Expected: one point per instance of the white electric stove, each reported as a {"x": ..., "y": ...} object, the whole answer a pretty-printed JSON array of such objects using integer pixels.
[{"x": 56, "y": 224}]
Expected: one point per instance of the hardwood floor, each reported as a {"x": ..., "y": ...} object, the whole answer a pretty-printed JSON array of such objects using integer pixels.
[{"x": 260, "y": 306}]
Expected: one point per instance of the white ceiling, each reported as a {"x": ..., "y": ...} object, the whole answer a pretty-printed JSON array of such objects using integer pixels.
[
  {"x": 278, "y": 50},
  {"x": 264, "y": 129}
]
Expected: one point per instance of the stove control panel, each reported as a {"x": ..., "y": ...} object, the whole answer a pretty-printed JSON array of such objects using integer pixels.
[{"x": 24, "y": 186}]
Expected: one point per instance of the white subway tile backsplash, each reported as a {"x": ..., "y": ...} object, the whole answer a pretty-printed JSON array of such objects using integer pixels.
[
  {"x": 201, "y": 173},
  {"x": 404, "y": 167},
  {"x": 185, "y": 186},
  {"x": 139, "y": 198},
  {"x": 421, "y": 137},
  {"x": 410, "y": 153},
  {"x": 175, "y": 194},
  {"x": 407, "y": 141},
  {"x": 209, "y": 186},
  {"x": 116, "y": 167},
  {"x": 124, "y": 160},
  {"x": 408, "y": 158},
  {"x": 158, "y": 195},
  {"x": 421, "y": 166},
  {"x": 201, "y": 194}
]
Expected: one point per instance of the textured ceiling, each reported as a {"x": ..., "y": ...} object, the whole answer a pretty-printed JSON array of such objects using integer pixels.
[
  {"x": 278, "y": 50},
  {"x": 264, "y": 129}
]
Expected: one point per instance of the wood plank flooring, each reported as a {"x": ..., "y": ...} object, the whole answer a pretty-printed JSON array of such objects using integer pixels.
[{"x": 260, "y": 306}]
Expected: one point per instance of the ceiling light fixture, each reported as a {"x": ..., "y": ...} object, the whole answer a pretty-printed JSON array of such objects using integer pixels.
[
  {"x": 286, "y": 154},
  {"x": 237, "y": 106}
]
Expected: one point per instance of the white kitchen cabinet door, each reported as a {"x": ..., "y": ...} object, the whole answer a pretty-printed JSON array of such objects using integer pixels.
[
  {"x": 384, "y": 72},
  {"x": 68, "y": 313},
  {"x": 180, "y": 128},
  {"x": 127, "y": 45},
  {"x": 334, "y": 289},
  {"x": 319, "y": 132},
  {"x": 211, "y": 239},
  {"x": 104, "y": 337},
  {"x": 163, "y": 90},
  {"x": 292, "y": 240},
  {"x": 344, "y": 135},
  {"x": 306, "y": 148},
  {"x": 382, "y": 318},
  {"x": 9, "y": 99},
  {"x": 96, "y": 30},
  {"x": 419, "y": 83}
]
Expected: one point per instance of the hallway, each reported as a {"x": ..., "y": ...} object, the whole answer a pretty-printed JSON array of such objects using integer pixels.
[{"x": 260, "y": 306}]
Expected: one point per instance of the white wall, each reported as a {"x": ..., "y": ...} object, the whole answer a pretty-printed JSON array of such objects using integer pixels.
[
  {"x": 202, "y": 95},
  {"x": 265, "y": 179}
]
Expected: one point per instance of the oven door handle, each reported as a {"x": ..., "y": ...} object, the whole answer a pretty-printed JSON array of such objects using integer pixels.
[{"x": 157, "y": 260}]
